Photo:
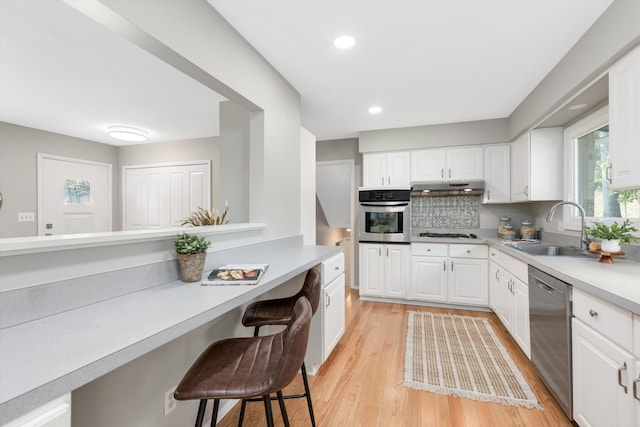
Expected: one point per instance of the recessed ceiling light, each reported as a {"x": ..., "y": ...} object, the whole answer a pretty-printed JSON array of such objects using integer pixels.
[
  {"x": 375, "y": 109},
  {"x": 126, "y": 133},
  {"x": 344, "y": 42},
  {"x": 578, "y": 107}
]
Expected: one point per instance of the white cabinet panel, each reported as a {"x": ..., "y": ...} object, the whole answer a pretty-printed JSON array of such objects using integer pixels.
[
  {"x": 428, "y": 165},
  {"x": 497, "y": 173},
  {"x": 334, "y": 311},
  {"x": 56, "y": 413},
  {"x": 468, "y": 281},
  {"x": 602, "y": 386},
  {"x": 428, "y": 279},
  {"x": 450, "y": 164},
  {"x": 384, "y": 270},
  {"x": 624, "y": 121},
  {"x": 391, "y": 169}
]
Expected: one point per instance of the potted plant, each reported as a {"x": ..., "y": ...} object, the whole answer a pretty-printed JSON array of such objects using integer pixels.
[
  {"x": 191, "y": 251},
  {"x": 611, "y": 236},
  {"x": 206, "y": 217}
]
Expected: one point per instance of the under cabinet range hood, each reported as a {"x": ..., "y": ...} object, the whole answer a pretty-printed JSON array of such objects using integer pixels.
[{"x": 468, "y": 188}]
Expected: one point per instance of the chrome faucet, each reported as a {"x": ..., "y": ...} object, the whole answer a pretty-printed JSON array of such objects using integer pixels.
[{"x": 584, "y": 243}]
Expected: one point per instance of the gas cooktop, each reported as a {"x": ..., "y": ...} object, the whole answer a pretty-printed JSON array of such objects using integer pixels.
[{"x": 448, "y": 235}]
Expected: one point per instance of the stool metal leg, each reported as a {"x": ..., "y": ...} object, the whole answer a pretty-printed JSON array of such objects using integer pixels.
[
  {"x": 307, "y": 392},
  {"x": 242, "y": 409},
  {"x": 214, "y": 415},
  {"x": 201, "y": 409},
  {"x": 283, "y": 409},
  {"x": 267, "y": 410},
  {"x": 256, "y": 330}
]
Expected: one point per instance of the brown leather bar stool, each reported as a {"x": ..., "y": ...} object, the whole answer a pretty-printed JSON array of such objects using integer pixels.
[
  {"x": 239, "y": 368},
  {"x": 278, "y": 312}
]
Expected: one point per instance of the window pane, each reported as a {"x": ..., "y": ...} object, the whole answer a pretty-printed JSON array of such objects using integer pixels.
[
  {"x": 77, "y": 192},
  {"x": 594, "y": 193}
]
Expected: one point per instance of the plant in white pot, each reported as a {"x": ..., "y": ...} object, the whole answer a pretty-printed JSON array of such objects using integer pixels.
[
  {"x": 612, "y": 236},
  {"x": 191, "y": 251}
]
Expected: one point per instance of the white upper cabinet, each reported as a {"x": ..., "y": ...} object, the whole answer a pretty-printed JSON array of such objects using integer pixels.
[
  {"x": 390, "y": 169},
  {"x": 624, "y": 122},
  {"x": 537, "y": 165},
  {"x": 497, "y": 173},
  {"x": 446, "y": 164}
]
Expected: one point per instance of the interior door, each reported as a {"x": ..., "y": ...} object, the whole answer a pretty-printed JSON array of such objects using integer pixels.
[
  {"x": 74, "y": 195},
  {"x": 163, "y": 195}
]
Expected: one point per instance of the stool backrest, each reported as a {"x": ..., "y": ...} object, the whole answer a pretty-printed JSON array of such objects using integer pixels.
[
  {"x": 294, "y": 341},
  {"x": 311, "y": 289}
]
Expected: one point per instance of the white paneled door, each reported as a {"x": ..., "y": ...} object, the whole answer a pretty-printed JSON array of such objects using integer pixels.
[
  {"x": 74, "y": 195},
  {"x": 162, "y": 195}
]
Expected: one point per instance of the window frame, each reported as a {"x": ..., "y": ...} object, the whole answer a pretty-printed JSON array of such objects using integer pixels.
[{"x": 589, "y": 123}]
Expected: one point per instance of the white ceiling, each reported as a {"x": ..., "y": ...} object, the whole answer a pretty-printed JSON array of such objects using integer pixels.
[
  {"x": 62, "y": 72},
  {"x": 423, "y": 61}
]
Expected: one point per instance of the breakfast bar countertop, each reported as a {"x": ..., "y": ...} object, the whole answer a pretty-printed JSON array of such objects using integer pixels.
[{"x": 45, "y": 358}]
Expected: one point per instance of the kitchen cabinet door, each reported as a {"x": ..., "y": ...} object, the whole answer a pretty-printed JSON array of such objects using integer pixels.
[
  {"x": 624, "y": 122},
  {"x": 371, "y": 270},
  {"x": 602, "y": 386},
  {"x": 497, "y": 173},
  {"x": 390, "y": 169},
  {"x": 56, "y": 413},
  {"x": 521, "y": 332},
  {"x": 505, "y": 310},
  {"x": 428, "y": 279},
  {"x": 374, "y": 169},
  {"x": 399, "y": 169},
  {"x": 495, "y": 292},
  {"x": 464, "y": 163},
  {"x": 334, "y": 321},
  {"x": 397, "y": 264},
  {"x": 428, "y": 165},
  {"x": 468, "y": 281}
]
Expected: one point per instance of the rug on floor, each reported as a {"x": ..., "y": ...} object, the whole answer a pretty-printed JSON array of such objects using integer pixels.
[{"x": 462, "y": 356}]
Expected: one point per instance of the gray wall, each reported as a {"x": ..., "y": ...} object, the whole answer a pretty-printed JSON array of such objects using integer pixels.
[{"x": 18, "y": 148}]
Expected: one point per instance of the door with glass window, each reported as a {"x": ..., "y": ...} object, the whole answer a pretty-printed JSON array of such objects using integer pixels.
[{"x": 74, "y": 196}]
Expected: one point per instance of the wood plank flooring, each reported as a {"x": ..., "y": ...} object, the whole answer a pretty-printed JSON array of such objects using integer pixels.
[{"x": 359, "y": 385}]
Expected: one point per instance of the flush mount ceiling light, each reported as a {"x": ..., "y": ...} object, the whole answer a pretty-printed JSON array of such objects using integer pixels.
[
  {"x": 126, "y": 133},
  {"x": 375, "y": 109},
  {"x": 577, "y": 107},
  {"x": 344, "y": 42}
]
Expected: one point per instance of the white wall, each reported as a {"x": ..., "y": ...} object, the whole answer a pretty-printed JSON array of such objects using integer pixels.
[{"x": 307, "y": 186}]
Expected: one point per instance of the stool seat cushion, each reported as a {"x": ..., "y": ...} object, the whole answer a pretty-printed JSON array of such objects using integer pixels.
[
  {"x": 238, "y": 368},
  {"x": 278, "y": 311}
]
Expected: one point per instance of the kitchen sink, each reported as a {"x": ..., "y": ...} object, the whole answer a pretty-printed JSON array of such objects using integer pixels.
[{"x": 552, "y": 250}]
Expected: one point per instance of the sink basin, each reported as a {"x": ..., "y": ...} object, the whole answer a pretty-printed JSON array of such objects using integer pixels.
[{"x": 552, "y": 250}]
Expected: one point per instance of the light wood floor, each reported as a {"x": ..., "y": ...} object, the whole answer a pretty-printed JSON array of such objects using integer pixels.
[{"x": 359, "y": 383}]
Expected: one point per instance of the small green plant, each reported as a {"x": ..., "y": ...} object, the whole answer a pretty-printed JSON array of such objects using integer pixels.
[
  {"x": 191, "y": 244},
  {"x": 622, "y": 232},
  {"x": 205, "y": 217}
]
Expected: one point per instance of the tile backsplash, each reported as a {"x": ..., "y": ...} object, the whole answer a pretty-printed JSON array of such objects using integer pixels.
[{"x": 445, "y": 211}]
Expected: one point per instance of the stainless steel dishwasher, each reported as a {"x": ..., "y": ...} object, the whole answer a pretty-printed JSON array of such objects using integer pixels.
[{"x": 550, "y": 318}]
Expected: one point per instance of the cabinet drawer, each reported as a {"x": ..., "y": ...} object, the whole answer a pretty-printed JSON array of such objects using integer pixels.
[
  {"x": 332, "y": 268},
  {"x": 432, "y": 249},
  {"x": 611, "y": 321},
  {"x": 468, "y": 251}
]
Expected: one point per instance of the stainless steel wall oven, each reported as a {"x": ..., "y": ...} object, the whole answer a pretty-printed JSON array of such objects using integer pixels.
[{"x": 385, "y": 215}]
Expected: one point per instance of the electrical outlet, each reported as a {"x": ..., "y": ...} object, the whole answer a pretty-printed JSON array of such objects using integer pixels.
[
  {"x": 169, "y": 401},
  {"x": 26, "y": 217}
]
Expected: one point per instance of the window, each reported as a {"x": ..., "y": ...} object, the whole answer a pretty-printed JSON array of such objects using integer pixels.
[{"x": 587, "y": 166}]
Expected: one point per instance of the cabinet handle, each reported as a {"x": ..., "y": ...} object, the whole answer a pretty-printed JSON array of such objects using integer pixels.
[
  {"x": 328, "y": 301},
  {"x": 620, "y": 370},
  {"x": 488, "y": 194},
  {"x": 451, "y": 265},
  {"x": 607, "y": 173},
  {"x": 442, "y": 173},
  {"x": 389, "y": 179},
  {"x": 593, "y": 313},
  {"x": 337, "y": 268},
  {"x": 526, "y": 190},
  {"x": 444, "y": 265},
  {"x": 379, "y": 251},
  {"x": 449, "y": 172},
  {"x": 497, "y": 275},
  {"x": 382, "y": 181},
  {"x": 468, "y": 251},
  {"x": 635, "y": 388},
  {"x": 387, "y": 251}
]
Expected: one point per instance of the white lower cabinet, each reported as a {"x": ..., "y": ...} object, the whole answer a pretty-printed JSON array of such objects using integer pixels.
[
  {"x": 604, "y": 369},
  {"x": 384, "y": 270},
  {"x": 449, "y": 273},
  {"x": 56, "y": 413},
  {"x": 509, "y": 296}
]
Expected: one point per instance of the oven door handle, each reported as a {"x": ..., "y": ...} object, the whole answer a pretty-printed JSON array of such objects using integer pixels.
[{"x": 385, "y": 204}]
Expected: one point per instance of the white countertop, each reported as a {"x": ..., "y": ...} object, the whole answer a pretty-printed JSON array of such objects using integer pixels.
[
  {"x": 618, "y": 283},
  {"x": 88, "y": 342}
]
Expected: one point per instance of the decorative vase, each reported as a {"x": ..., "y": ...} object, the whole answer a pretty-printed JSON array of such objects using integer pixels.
[
  {"x": 611, "y": 246},
  {"x": 191, "y": 266}
]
